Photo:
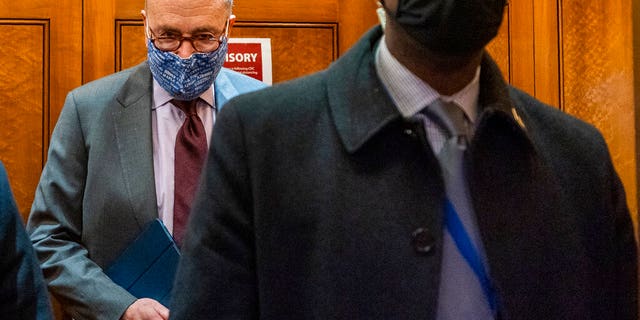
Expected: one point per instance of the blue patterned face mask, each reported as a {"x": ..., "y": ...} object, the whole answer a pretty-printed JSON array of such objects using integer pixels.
[{"x": 185, "y": 79}]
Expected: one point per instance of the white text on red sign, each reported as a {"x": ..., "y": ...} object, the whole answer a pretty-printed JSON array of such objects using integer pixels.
[{"x": 241, "y": 57}]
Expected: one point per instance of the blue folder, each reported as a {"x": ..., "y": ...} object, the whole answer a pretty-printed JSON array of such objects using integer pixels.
[{"x": 147, "y": 267}]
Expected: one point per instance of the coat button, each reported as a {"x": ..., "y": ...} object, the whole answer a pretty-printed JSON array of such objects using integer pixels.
[
  {"x": 410, "y": 132},
  {"x": 422, "y": 240}
]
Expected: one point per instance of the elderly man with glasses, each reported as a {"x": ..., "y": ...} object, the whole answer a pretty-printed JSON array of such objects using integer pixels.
[{"x": 128, "y": 149}]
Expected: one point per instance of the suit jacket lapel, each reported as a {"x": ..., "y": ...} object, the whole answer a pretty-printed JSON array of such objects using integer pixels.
[{"x": 135, "y": 142}]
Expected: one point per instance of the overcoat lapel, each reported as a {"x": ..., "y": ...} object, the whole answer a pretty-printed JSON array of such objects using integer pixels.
[
  {"x": 359, "y": 103},
  {"x": 132, "y": 121},
  {"x": 519, "y": 206}
]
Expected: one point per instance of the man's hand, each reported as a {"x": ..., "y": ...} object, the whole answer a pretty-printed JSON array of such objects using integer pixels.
[{"x": 146, "y": 309}]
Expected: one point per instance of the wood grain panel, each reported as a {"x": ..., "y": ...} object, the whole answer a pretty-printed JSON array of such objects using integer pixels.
[
  {"x": 297, "y": 49},
  {"x": 527, "y": 48},
  {"x": 499, "y": 47},
  {"x": 257, "y": 10},
  {"x": 636, "y": 73},
  {"x": 521, "y": 32},
  {"x": 355, "y": 18},
  {"x": 99, "y": 39},
  {"x": 598, "y": 77},
  {"x": 127, "y": 9},
  {"x": 130, "y": 43},
  {"x": 39, "y": 66},
  {"x": 24, "y": 104},
  {"x": 287, "y": 10},
  {"x": 65, "y": 18},
  {"x": 547, "y": 52}
]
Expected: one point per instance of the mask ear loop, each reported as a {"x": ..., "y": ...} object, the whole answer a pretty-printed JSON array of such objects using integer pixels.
[
  {"x": 226, "y": 30},
  {"x": 382, "y": 17},
  {"x": 147, "y": 33},
  {"x": 146, "y": 30}
]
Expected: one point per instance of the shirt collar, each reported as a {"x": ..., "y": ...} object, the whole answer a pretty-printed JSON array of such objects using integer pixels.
[
  {"x": 411, "y": 94},
  {"x": 161, "y": 97}
]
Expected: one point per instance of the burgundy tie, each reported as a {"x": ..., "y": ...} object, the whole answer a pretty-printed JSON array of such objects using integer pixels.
[{"x": 190, "y": 153}]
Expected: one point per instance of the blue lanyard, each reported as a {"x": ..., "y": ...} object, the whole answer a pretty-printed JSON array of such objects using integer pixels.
[{"x": 470, "y": 253}]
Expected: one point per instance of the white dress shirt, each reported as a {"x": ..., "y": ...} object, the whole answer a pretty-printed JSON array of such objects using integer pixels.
[
  {"x": 411, "y": 94},
  {"x": 166, "y": 121}
]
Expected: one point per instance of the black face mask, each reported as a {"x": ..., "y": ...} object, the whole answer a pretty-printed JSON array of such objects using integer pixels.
[{"x": 450, "y": 26}]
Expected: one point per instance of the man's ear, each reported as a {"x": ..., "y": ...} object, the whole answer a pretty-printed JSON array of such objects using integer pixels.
[
  {"x": 382, "y": 14},
  {"x": 144, "y": 16},
  {"x": 144, "y": 20}
]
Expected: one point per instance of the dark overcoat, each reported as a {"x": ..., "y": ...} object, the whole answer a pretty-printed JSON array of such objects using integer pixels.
[
  {"x": 314, "y": 190},
  {"x": 23, "y": 292}
]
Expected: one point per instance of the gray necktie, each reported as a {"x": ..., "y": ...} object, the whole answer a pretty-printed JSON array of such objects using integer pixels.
[{"x": 461, "y": 295}]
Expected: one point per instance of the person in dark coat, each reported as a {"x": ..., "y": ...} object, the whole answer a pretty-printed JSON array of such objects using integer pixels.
[
  {"x": 23, "y": 293},
  {"x": 325, "y": 197}
]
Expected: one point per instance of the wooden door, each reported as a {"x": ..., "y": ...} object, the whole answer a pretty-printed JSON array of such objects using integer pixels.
[
  {"x": 573, "y": 54},
  {"x": 597, "y": 83},
  {"x": 40, "y": 61},
  {"x": 304, "y": 37}
]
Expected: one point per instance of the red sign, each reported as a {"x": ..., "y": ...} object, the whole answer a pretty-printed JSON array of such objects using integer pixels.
[{"x": 251, "y": 57}]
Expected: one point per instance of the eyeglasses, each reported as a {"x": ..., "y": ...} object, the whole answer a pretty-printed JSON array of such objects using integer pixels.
[{"x": 202, "y": 42}]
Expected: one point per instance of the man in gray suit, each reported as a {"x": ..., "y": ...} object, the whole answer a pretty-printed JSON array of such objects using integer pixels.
[
  {"x": 111, "y": 168},
  {"x": 408, "y": 181}
]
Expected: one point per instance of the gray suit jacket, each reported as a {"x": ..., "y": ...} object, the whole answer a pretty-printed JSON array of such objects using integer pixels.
[
  {"x": 97, "y": 189},
  {"x": 314, "y": 189}
]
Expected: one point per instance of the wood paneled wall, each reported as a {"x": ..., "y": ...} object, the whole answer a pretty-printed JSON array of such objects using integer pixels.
[
  {"x": 596, "y": 59},
  {"x": 316, "y": 34},
  {"x": 635, "y": 9},
  {"x": 573, "y": 54},
  {"x": 40, "y": 61}
]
